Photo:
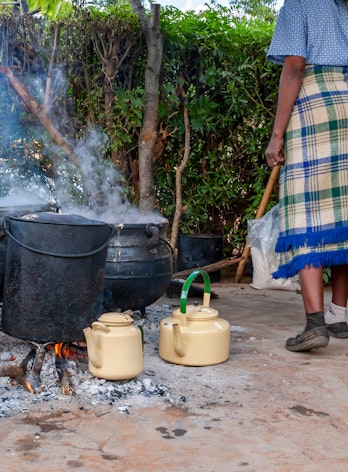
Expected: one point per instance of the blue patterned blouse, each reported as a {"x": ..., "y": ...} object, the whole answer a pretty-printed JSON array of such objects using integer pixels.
[{"x": 314, "y": 29}]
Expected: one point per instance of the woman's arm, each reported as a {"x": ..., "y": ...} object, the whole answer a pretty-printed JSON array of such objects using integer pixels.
[{"x": 289, "y": 88}]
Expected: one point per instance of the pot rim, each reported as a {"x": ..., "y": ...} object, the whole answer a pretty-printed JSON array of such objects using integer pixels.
[{"x": 139, "y": 225}]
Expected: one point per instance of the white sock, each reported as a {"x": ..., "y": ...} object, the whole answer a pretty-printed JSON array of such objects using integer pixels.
[{"x": 335, "y": 314}]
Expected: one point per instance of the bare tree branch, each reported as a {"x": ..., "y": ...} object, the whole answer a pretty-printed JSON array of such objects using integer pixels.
[
  {"x": 179, "y": 172},
  {"x": 48, "y": 92},
  {"x": 34, "y": 108}
]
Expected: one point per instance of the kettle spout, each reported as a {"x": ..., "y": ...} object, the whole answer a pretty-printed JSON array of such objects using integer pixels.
[
  {"x": 95, "y": 355},
  {"x": 179, "y": 345}
]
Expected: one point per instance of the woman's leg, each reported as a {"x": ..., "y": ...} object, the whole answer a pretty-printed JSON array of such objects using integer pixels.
[
  {"x": 312, "y": 290},
  {"x": 335, "y": 316},
  {"x": 315, "y": 333},
  {"x": 339, "y": 278}
]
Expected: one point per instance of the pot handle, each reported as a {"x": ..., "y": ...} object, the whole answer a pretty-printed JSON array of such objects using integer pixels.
[
  {"x": 153, "y": 231},
  {"x": 186, "y": 288},
  {"x": 45, "y": 253}
]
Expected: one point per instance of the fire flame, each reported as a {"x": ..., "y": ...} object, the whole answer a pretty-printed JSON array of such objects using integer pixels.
[
  {"x": 70, "y": 350},
  {"x": 58, "y": 349}
]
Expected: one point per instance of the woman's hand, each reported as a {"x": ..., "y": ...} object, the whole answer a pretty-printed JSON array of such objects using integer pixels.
[{"x": 274, "y": 152}]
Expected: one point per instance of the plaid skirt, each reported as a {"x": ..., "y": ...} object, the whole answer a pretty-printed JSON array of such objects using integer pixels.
[{"x": 313, "y": 183}]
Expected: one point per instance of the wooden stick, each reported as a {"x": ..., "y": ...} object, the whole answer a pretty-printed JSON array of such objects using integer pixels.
[
  {"x": 272, "y": 180},
  {"x": 210, "y": 267}
]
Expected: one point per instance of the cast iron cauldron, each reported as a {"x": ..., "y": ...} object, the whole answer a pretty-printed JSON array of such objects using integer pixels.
[
  {"x": 139, "y": 266},
  {"x": 7, "y": 209},
  {"x": 54, "y": 277}
]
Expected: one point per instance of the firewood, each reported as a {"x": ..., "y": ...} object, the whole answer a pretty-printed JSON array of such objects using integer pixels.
[
  {"x": 12, "y": 371},
  {"x": 17, "y": 376},
  {"x": 65, "y": 382},
  {"x": 210, "y": 267},
  {"x": 64, "y": 376}
]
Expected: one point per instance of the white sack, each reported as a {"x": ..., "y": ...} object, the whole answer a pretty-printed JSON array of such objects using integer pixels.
[{"x": 262, "y": 237}]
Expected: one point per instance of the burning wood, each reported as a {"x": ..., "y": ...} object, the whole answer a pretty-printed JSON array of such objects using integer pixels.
[
  {"x": 29, "y": 377},
  {"x": 63, "y": 370},
  {"x": 32, "y": 375},
  {"x": 64, "y": 351},
  {"x": 71, "y": 350},
  {"x": 20, "y": 374}
]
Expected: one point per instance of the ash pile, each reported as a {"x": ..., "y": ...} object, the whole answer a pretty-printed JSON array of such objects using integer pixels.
[{"x": 87, "y": 389}]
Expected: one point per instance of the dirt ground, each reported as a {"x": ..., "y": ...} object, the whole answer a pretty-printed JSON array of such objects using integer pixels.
[{"x": 265, "y": 409}]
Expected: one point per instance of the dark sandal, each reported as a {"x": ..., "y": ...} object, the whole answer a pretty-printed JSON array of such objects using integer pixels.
[
  {"x": 311, "y": 339},
  {"x": 338, "y": 330}
]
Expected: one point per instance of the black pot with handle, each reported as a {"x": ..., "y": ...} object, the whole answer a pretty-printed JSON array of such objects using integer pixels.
[{"x": 54, "y": 275}]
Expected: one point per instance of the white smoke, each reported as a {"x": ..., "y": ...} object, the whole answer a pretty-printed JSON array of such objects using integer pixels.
[
  {"x": 94, "y": 190},
  {"x": 106, "y": 199}
]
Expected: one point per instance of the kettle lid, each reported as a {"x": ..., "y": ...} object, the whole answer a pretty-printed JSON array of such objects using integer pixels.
[
  {"x": 116, "y": 319},
  {"x": 198, "y": 312}
]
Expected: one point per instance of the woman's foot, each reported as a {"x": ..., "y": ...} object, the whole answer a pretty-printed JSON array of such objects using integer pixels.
[
  {"x": 335, "y": 320},
  {"x": 338, "y": 330},
  {"x": 315, "y": 335}
]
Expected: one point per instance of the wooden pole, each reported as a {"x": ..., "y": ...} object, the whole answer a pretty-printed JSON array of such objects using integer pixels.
[
  {"x": 272, "y": 180},
  {"x": 210, "y": 267}
]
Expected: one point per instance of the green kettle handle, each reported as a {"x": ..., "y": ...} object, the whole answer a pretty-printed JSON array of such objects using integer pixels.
[{"x": 186, "y": 288}]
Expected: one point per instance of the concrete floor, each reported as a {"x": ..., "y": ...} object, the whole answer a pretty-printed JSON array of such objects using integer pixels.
[{"x": 265, "y": 409}]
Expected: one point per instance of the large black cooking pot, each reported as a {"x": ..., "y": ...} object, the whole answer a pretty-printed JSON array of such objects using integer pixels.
[
  {"x": 8, "y": 207},
  {"x": 139, "y": 266},
  {"x": 54, "y": 277}
]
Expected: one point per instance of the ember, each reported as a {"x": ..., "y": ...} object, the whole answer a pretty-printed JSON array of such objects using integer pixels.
[{"x": 71, "y": 350}]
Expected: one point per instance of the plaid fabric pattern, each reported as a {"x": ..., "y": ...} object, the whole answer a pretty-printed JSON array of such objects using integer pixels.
[{"x": 313, "y": 195}]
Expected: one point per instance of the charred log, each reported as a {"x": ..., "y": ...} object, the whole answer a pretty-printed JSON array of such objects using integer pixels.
[
  {"x": 63, "y": 370},
  {"x": 27, "y": 373}
]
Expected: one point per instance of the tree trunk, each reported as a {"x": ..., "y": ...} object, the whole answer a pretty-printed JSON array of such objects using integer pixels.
[{"x": 148, "y": 134}]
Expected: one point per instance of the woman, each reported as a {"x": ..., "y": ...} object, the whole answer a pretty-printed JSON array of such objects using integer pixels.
[{"x": 310, "y": 142}]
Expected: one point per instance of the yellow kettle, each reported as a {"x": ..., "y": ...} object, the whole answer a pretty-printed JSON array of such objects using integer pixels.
[
  {"x": 114, "y": 347},
  {"x": 194, "y": 335}
]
